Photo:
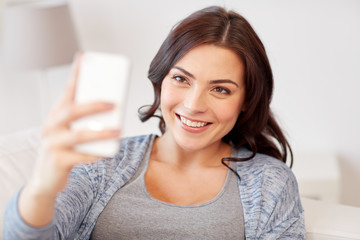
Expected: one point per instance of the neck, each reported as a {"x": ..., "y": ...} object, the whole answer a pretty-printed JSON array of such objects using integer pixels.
[{"x": 167, "y": 150}]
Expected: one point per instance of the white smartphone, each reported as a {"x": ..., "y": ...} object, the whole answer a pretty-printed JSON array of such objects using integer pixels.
[{"x": 102, "y": 77}]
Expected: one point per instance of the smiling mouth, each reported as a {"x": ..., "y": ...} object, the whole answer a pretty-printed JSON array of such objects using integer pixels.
[{"x": 194, "y": 124}]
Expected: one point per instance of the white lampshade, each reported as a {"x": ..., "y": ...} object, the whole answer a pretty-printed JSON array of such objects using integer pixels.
[{"x": 38, "y": 35}]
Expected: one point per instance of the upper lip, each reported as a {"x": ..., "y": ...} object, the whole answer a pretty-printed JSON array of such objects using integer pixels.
[{"x": 191, "y": 119}]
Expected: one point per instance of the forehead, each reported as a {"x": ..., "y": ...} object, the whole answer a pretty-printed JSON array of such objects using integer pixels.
[{"x": 213, "y": 62}]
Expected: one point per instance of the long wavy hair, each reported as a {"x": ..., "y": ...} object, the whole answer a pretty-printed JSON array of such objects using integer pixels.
[{"x": 256, "y": 128}]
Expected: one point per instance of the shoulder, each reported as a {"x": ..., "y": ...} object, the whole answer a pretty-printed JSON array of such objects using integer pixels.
[
  {"x": 266, "y": 182},
  {"x": 136, "y": 141},
  {"x": 124, "y": 163},
  {"x": 269, "y": 194},
  {"x": 265, "y": 169},
  {"x": 131, "y": 149}
]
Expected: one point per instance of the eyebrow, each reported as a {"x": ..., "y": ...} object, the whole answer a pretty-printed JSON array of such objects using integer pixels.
[
  {"x": 184, "y": 71},
  {"x": 211, "y": 82}
]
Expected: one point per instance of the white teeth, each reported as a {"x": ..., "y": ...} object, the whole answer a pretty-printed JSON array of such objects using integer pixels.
[{"x": 191, "y": 123}]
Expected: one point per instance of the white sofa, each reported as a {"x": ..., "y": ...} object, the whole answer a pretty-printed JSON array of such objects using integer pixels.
[{"x": 18, "y": 151}]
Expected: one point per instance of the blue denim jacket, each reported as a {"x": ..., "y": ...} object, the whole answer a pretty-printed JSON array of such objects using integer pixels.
[{"x": 268, "y": 190}]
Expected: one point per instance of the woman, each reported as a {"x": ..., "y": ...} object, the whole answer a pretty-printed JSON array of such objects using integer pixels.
[{"x": 217, "y": 172}]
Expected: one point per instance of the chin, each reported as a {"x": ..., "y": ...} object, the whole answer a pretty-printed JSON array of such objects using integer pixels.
[{"x": 193, "y": 144}]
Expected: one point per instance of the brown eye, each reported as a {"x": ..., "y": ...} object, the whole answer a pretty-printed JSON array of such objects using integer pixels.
[
  {"x": 179, "y": 79},
  {"x": 221, "y": 90}
]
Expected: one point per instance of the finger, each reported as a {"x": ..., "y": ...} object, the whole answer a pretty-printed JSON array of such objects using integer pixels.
[
  {"x": 69, "y": 93},
  {"x": 69, "y": 139},
  {"x": 70, "y": 158},
  {"x": 65, "y": 116},
  {"x": 85, "y": 136},
  {"x": 71, "y": 86},
  {"x": 85, "y": 158}
]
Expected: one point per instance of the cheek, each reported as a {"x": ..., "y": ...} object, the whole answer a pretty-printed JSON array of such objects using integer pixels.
[
  {"x": 228, "y": 113},
  {"x": 168, "y": 98}
]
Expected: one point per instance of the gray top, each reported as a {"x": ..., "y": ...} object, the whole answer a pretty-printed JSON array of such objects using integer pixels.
[
  {"x": 268, "y": 190},
  {"x": 132, "y": 213}
]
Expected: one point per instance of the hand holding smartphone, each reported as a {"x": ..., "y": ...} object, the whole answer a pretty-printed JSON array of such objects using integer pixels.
[{"x": 102, "y": 77}]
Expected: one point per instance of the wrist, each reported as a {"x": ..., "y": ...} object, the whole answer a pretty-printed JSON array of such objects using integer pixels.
[
  {"x": 39, "y": 191},
  {"x": 36, "y": 207}
]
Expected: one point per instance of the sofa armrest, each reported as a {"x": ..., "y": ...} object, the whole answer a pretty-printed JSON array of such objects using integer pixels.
[
  {"x": 18, "y": 152},
  {"x": 330, "y": 221}
]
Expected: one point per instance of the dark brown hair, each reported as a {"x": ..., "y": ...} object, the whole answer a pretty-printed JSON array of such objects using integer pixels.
[{"x": 256, "y": 128}]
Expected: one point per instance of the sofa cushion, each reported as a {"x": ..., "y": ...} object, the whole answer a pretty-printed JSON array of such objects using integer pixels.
[
  {"x": 18, "y": 153},
  {"x": 330, "y": 221}
]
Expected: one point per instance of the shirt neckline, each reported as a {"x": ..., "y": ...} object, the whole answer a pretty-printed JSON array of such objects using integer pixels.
[{"x": 216, "y": 198}]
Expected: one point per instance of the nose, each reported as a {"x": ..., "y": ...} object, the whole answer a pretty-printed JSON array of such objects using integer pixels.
[{"x": 195, "y": 101}]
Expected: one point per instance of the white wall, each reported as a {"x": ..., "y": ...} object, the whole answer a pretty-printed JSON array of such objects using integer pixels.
[{"x": 313, "y": 46}]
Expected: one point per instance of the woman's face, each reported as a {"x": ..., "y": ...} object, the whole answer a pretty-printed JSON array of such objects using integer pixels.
[{"x": 202, "y": 96}]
